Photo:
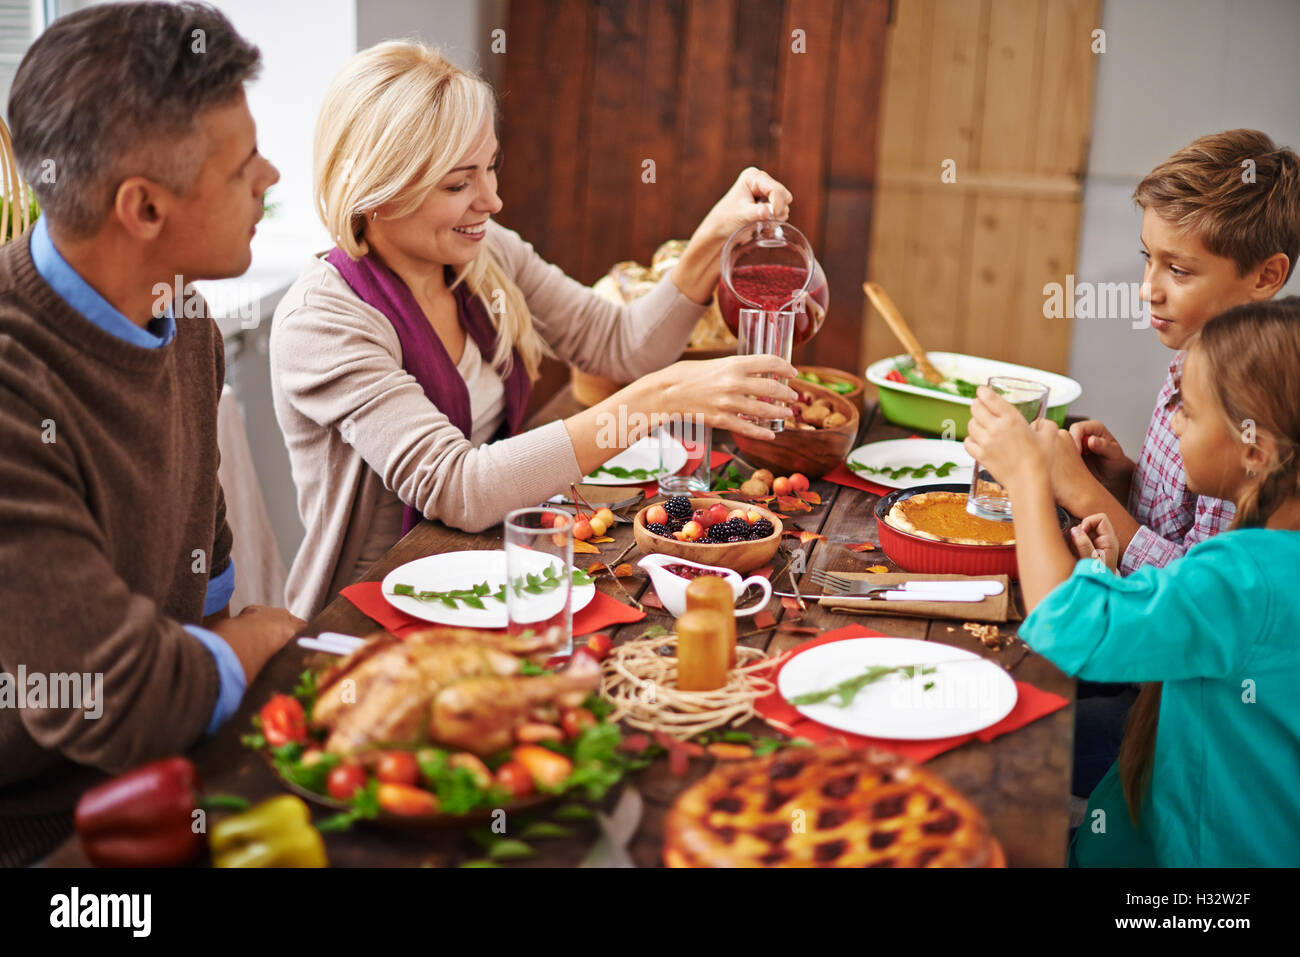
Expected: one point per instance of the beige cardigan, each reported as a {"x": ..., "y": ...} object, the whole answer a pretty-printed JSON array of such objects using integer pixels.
[{"x": 356, "y": 422}]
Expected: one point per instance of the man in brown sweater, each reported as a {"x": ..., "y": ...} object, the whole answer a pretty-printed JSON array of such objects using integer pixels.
[{"x": 116, "y": 648}]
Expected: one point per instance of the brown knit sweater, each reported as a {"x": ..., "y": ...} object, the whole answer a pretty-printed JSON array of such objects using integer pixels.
[{"x": 108, "y": 495}]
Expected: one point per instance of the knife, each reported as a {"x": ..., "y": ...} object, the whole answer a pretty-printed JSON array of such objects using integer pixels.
[{"x": 936, "y": 596}]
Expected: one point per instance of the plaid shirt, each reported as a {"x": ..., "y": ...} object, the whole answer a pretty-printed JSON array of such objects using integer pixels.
[{"x": 1172, "y": 519}]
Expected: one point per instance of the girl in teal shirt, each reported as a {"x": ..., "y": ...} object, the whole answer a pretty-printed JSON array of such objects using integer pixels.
[{"x": 1209, "y": 770}]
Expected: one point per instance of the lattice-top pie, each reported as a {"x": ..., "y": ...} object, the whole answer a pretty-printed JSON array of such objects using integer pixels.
[
  {"x": 825, "y": 807},
  {"x": 942, "y": 517}
]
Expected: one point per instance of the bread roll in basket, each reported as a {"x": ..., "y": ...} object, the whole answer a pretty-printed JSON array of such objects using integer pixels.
[{"x": 628, "y": 281}]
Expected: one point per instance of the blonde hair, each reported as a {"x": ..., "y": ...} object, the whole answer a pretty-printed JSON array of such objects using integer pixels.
[
  {"x": 396, "y": 120},
  {"x": 1252, "y": 366}
]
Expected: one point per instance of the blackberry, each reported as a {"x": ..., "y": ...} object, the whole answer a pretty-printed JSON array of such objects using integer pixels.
[
  {"x": 718, "y": 532},
  {"x": 658, "y": 528},
  {"x": 761, "y": 529},
  {"x": 737, "y": 526},
  {"x": 679, "y": 506},
  {"x": 676, "y": 524},
  {"x": 736, "y": 538}
]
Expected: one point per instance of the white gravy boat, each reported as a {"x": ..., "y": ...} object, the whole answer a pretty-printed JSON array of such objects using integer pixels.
[{"x": 671, "y": 588}]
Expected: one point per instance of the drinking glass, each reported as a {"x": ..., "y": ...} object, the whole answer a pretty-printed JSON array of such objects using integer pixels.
[
  {"x": 764, "y": 332},
  {"x": 987, "y": 497},
  {"x": 697, "y": 439},
  {"x": 539, "y": 576}
]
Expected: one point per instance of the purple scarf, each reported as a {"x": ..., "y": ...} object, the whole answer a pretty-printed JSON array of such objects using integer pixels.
[{"x": 423, "y": 354}]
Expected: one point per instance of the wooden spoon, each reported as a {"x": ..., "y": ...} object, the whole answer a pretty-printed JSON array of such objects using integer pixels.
[{"x": 880, "y": 299}]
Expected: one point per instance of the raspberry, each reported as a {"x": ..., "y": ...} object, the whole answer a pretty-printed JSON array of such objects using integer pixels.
[
  {"x": 761, "y": 529},
  {"x": 679, "y": 506},
  {"x": 660, "y": 529}
]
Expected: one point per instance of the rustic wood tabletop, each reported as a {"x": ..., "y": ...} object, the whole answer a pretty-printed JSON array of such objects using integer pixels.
[{"x": 1020, "y": 781}]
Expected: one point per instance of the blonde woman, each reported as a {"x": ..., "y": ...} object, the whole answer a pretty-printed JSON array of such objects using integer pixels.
[{"x": 402, "y": 362}]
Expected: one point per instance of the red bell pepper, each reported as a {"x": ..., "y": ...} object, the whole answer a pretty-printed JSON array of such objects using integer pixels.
[
  {"x": 144, "y": 818},
  {"x": 893, "y": 375}
]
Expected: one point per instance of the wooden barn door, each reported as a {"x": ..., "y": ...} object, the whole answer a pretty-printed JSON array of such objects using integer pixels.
[
  {"x": 595, "y": 92},
  {"x": 1001, "y": 90}
]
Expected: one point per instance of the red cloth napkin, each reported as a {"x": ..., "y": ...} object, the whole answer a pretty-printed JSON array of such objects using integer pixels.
[
  {"x": 842, "y": 475},
  {"x": 1031, "y": 704},
  {"x": 601, "y": 613},
  {"x": 718, "y": 457}
]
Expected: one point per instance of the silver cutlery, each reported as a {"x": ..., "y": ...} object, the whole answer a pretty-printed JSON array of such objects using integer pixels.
[
  {"x": 891, "y": 595},
  {"x": 843, "y": 585},
  {"x": 333, "y": 643}
]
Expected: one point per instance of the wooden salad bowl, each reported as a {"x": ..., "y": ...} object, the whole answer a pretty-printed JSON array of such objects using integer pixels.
[
  {"x": 856, "y": 395},
  {"x": 813, "y": 452},
  {"x": 738, "y": 556}
]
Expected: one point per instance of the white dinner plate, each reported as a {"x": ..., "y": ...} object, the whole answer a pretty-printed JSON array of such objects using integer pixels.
[
  {"x": 967, "y": 692},
  {"x": 463, "y": 570},
  {"x": 895, "y": 453},
  {"x": 642, "y": 454}
]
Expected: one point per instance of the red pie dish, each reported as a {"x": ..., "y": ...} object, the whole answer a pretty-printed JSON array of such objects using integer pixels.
[{"x": 915, "y": 553}]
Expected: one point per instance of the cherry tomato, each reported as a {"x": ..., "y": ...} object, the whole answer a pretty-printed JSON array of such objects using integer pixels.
[
  {"x": 283, "y": 721},
  {"x": 599, "y": 645},
  {"x": 515, "y": 778},
  {"x": 398, "y": 767},
  {"x": 345, "y": 781},
  {"x": 576, "y": 720}
]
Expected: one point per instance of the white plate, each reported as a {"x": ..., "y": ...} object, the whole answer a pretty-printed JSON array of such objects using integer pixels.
[
  {"x": 642, "y": 454},
  {"x": 969, "y": 693},
  {"x": 452, "y": 570},
  {"x": 894, "y": 453}
]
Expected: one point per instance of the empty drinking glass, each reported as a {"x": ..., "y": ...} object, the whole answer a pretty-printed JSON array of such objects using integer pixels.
[
  {"x": 764, "y": 332},
  {"x": 539, "y": 576},
  {"x": 987, "y": 497},
  {"x": 685, "y": 453}
]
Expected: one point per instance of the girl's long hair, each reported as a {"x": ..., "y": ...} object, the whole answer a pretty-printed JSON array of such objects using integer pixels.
[
  {"x": 396, "y": 120},
  {"x": 1251, "y": 355}
]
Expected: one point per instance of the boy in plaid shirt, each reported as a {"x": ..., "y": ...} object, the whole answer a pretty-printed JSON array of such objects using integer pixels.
[{"x": 1220, "y": 227}]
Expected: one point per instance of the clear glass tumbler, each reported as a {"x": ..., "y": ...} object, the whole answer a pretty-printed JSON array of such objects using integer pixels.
[
  {"x": 684, "y": 434},
  {"x": 539, "y": 577},
  {"x": 763, "y": 332},
  {"x": 987, "y": 497}
]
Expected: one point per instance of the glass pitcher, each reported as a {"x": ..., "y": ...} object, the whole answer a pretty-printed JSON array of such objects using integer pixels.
[{"x": 770, "y": 266}]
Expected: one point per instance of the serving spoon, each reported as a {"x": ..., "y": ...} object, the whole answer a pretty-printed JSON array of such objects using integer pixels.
[{"x": 880, "y": 299}]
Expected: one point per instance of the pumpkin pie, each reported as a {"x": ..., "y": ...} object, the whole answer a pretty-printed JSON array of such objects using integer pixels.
[{"x": 942, "y": 517}]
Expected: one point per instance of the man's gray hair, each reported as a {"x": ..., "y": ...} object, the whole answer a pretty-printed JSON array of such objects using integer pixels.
[{"x": 115, "y": 91}]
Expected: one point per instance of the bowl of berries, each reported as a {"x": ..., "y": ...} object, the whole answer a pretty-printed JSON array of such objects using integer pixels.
[{"x": 736, "y": 535}]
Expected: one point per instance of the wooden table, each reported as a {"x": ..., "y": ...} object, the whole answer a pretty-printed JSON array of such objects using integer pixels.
[{"x": 1021, "y": 781}]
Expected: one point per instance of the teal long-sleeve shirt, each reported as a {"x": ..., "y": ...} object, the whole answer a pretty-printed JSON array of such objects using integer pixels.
[{"x": 1219, "y": 627}]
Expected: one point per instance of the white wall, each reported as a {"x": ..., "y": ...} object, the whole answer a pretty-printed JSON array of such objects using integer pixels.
[{"x": 1173, "y": 70}]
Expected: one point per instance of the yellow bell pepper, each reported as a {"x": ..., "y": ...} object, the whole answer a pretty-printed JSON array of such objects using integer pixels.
[{"x": 275, "y": 833}]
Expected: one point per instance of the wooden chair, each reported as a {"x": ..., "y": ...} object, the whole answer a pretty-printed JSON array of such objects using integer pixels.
[{"x": 16, "y": 215}]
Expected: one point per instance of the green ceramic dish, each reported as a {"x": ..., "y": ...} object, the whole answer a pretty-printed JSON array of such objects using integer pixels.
[{"x": 948, "y": 415}]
